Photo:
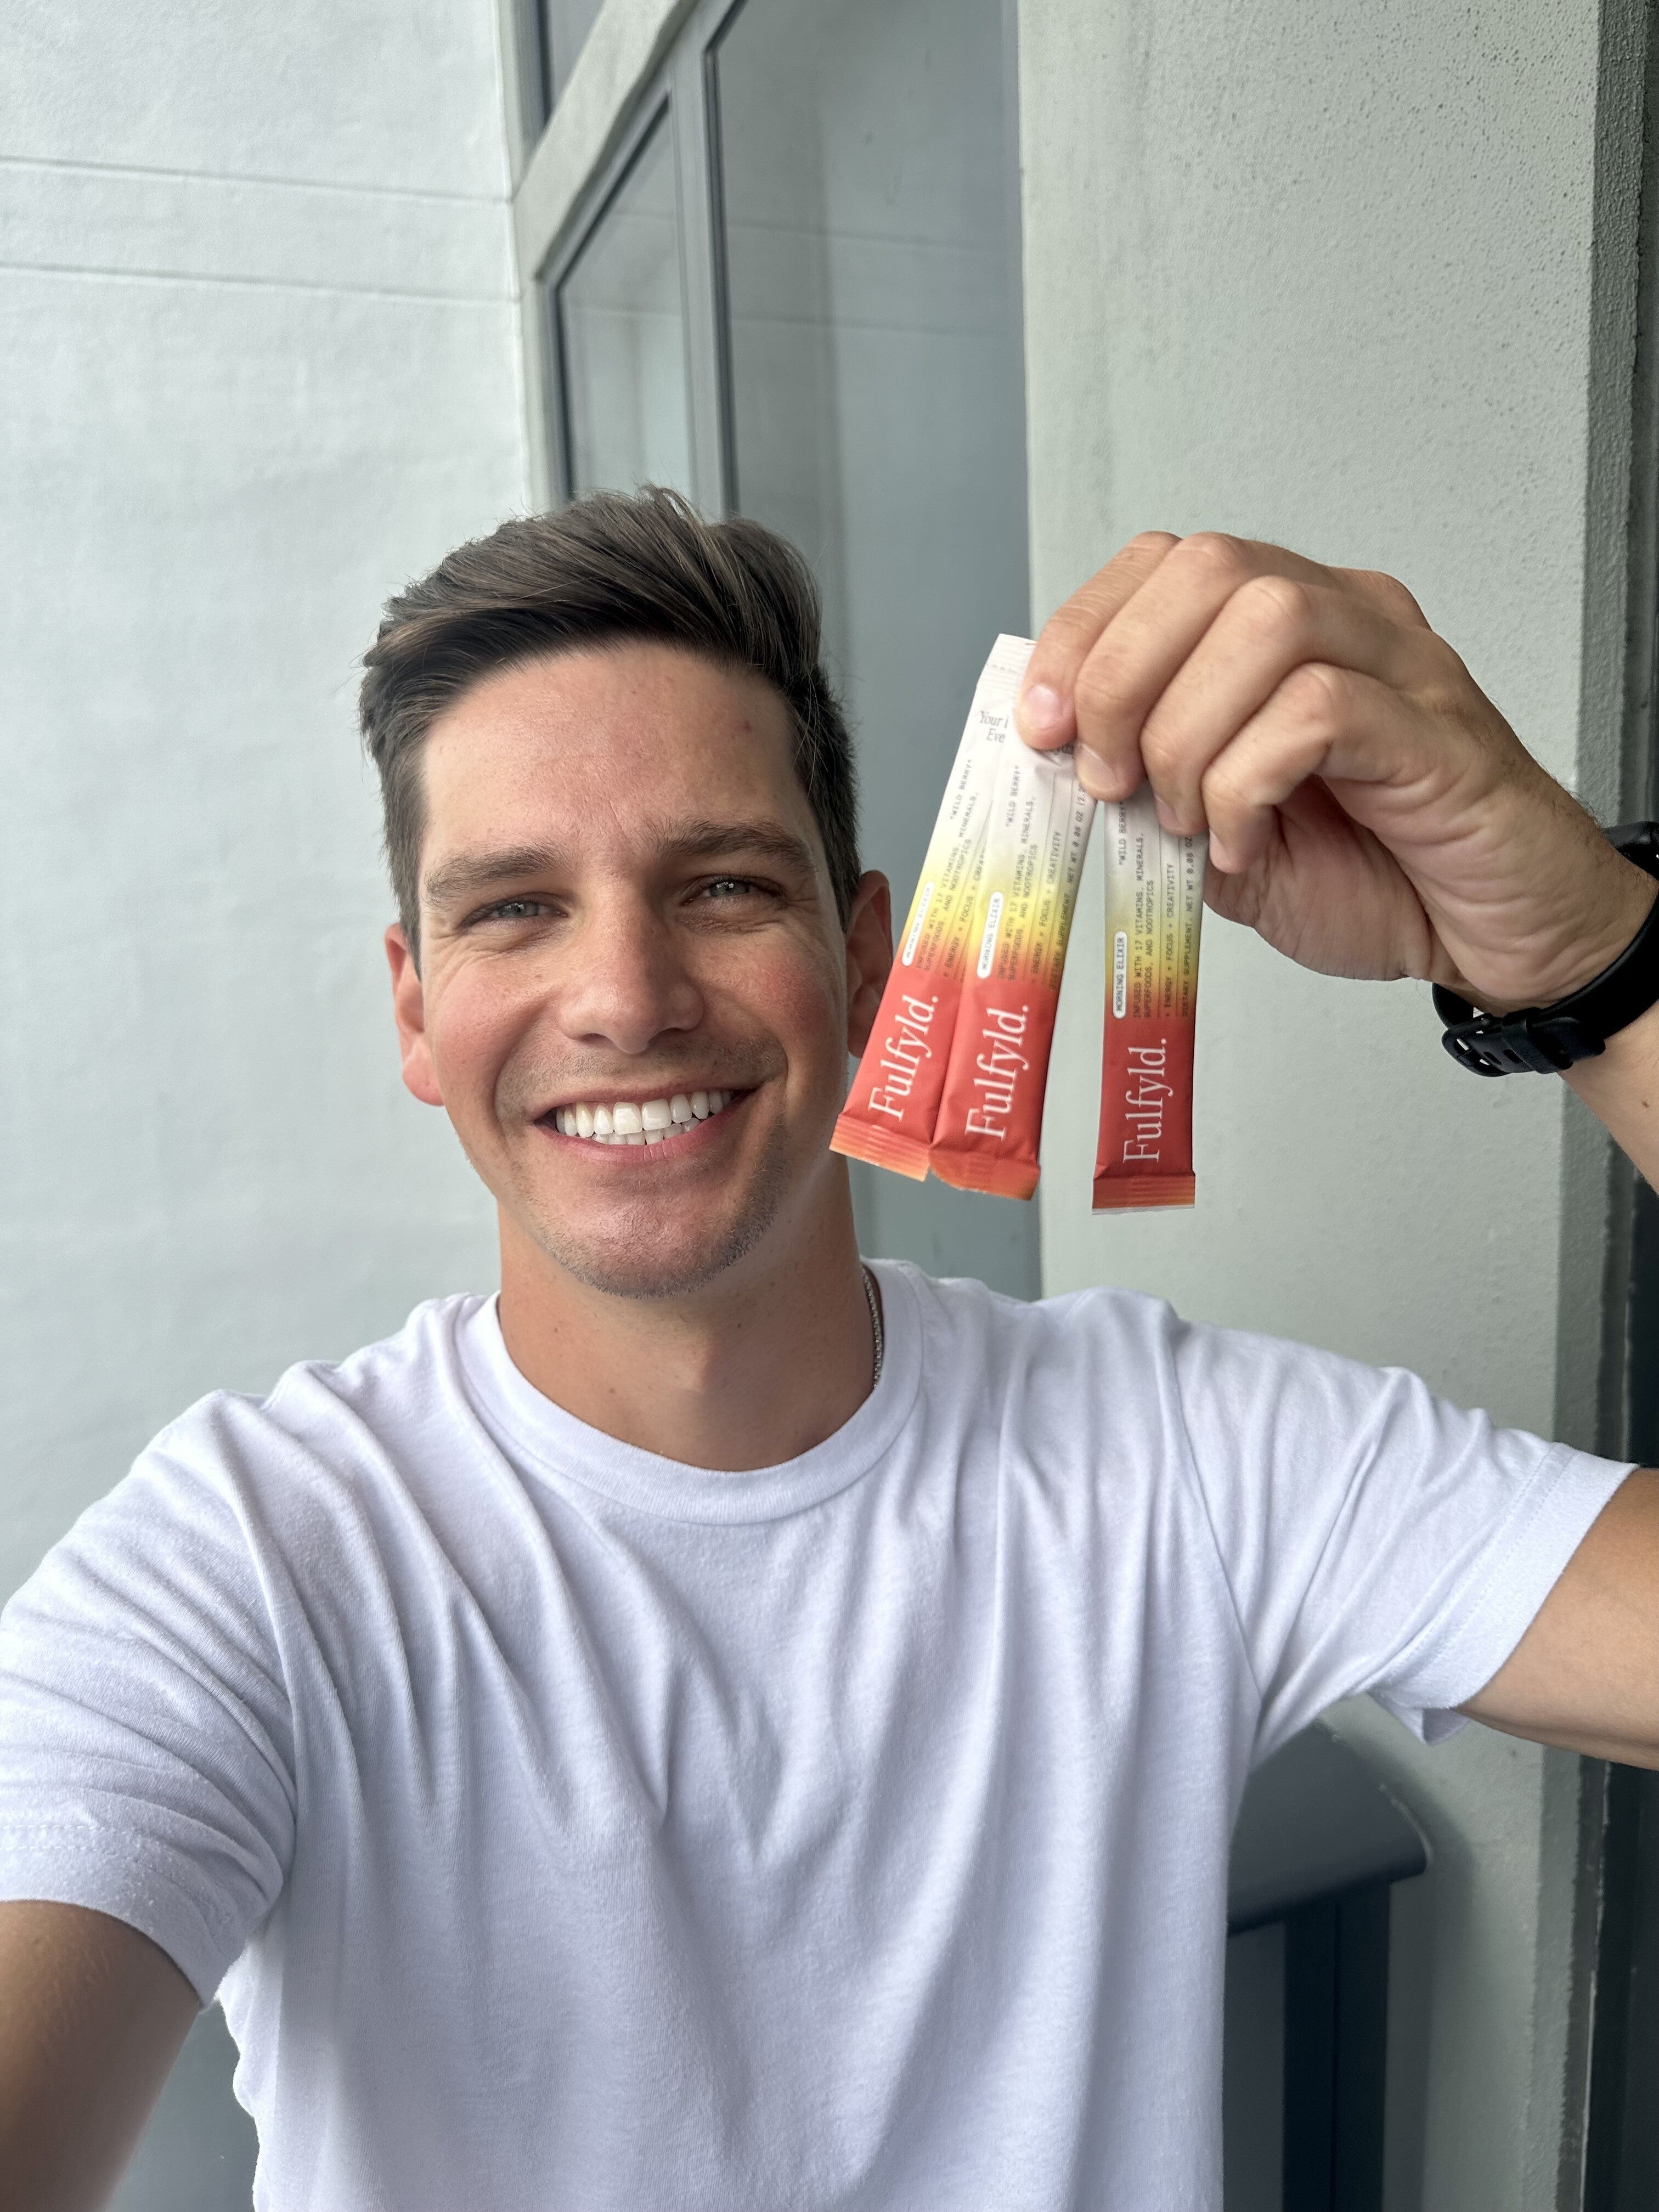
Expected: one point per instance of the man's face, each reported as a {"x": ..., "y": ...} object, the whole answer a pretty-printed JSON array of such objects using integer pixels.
[{"x": 624, "y": 908}]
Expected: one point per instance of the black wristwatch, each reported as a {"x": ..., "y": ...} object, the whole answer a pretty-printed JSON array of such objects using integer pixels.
[{"x": 1547, "y": 1040}]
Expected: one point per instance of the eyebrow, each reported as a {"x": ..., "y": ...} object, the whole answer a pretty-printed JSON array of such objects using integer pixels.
[{"x": 469, "y": 873}]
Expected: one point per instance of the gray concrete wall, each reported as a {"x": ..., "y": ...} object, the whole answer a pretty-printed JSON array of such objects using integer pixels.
[
  {"x": 257, "y": 307},
  {"x": 258, "y": 313},
  {"x": 1324, "y": 275}
]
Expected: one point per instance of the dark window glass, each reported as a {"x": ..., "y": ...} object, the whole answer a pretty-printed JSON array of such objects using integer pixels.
[
  {"x": 876, "y": 413},
  {"x": 621, "y": 336}
]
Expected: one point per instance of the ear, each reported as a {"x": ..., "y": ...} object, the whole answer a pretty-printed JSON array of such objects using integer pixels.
[
  {"x": 409, "y": 1007},
  {"x": 869, "y": 957}
]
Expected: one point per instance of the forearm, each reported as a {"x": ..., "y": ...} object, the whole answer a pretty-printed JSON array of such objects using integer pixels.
[
  {"x": 1620, "y": 1086},
  {"x": 92, "y": 2015}
]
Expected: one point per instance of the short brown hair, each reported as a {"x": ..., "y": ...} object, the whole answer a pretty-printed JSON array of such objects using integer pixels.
[{"x": 607, "y": 568}]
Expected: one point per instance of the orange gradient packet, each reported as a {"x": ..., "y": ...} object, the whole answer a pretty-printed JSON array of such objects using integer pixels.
[
  {"x": 890, "y": 1112},
  {"x": 990, "y": 1119},
  {"x": 1154, "y": 911}
]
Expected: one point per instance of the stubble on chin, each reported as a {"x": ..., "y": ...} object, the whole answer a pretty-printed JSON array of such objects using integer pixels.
[{"x": 635, "y": 1259}]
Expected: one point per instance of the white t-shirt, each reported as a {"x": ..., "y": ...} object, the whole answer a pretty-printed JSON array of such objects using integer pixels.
[{"x": 562, "y": 1827}]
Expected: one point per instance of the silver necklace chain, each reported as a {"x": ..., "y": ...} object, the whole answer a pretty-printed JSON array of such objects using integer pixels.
[{"x": 874, "y": 1305}]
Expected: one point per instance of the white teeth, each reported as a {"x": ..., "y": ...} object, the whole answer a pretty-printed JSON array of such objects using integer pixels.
[{"x": 626, "y": 1123}]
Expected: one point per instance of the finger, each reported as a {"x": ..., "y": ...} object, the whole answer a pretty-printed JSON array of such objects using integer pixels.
[
  {"x": 1328, "y": 894},
  {"x": 1150, "y": 637},
  {"x": 1387, "y": 594},
  {"x": 1271, "y": 625},
  {"x": 1044, "y": 712},
  {"x": 1321, "y": 721}
]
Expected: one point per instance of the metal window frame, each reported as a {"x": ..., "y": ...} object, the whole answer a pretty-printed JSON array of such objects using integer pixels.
[
  {"x": 1613, "y": 2163},
  {"x": 724, "y": 14},
  {"x": 653, "y": 114},
  {"x": 680, "y": 66},
  {"x": 526, "y": 88},
  {"x": 679, "y": 81}
]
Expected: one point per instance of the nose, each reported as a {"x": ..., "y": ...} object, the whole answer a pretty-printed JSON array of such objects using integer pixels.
[{"x": 627, "y": 984}]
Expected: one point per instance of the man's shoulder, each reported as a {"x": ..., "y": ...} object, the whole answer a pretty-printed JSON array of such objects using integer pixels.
[
  {"x": 1102, "y": 1343},
  {"x": 964, "y": 1305},
  {"x": 1110, "y": 1347},
  {"x": 334, "y": 1413}
]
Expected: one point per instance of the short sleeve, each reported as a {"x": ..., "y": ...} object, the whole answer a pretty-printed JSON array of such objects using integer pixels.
[
  {"x": 1374, "y": 1537},
  {"x": 146, "y": 1748}
]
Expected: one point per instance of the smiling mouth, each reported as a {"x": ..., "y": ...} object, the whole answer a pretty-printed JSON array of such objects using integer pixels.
[{"x": 634, "y": 1122}]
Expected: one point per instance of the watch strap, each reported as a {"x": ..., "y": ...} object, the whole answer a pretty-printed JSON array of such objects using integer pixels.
[{"x": 1548, "y": 1040}]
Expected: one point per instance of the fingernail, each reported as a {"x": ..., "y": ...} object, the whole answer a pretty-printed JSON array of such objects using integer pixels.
[
  {"x": 1043, "y": 710},
  {"x": 1093, "y": 775}
]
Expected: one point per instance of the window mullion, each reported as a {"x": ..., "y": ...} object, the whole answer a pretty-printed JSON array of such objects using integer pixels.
[{"x": 694, "y": 153}]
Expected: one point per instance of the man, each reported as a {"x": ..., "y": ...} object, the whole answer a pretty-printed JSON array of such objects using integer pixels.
[{"x": 722, "y": 1727}]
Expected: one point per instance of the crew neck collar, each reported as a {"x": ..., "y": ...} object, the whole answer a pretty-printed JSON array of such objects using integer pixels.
[{"x": 538, "y": 1434}]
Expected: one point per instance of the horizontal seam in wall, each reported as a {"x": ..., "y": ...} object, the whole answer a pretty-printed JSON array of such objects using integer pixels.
[
  {"x": 235, "y": 177},
  {"x": 738, "y": 225},
  {"x": 504, "y": 298},
  {"x": 918, "y": 330}
]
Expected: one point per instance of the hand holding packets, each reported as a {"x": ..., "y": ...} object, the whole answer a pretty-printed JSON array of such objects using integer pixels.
[{"x": 953, "y": 1078}]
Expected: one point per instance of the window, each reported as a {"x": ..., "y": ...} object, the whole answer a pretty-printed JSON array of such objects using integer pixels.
[
  {"x": 876, "y": 412},
  {"x": 621, "y": 334},
  {"x": 797, "y": 295},
  {"x": 552, "y": 32}
]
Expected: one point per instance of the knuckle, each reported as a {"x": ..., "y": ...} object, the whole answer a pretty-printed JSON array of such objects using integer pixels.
[
  {"x": 1442, "y": 688},
  {"x": 1212, "y": 552},
  {"x": 1222, "y": 790},
  {"x": 1102, "y": 685},
  {"x": 1065, "y": 635},
  {"x": 1392, "y": 596},
  {"x": 1314, "y": 696},
  {"x": 1274, "y": 607},
  {"x": 1161, "y": 750}
]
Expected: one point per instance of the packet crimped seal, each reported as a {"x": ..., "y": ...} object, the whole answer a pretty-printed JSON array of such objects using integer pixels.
[
  {"x": 891, "y": 1110},
  {"x": 1154, "y": 913},
  {"x": 990, "y": 1119}
]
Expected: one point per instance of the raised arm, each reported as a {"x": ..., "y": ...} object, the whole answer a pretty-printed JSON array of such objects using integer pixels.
[
  {"x": 1371, "y": 813},
  {"x": 92, "y": 2016}
]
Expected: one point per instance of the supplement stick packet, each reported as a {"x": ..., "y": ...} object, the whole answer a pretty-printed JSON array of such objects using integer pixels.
[
  {"x": 990, "y": 1119},
  {"x": 889, "y": 1117},
  {"x": 1154, "y": 910}
]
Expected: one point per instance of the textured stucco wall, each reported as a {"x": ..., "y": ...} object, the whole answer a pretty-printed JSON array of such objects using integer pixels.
[
  {"x": 1323, "y": 275},
  {"x": 257, "y": 299}
]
